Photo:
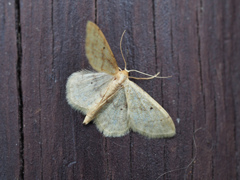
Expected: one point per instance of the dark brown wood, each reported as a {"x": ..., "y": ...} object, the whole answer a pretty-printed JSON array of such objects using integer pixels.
[
  {"x": 178, "y": 57},
  {"x": 10, "y": 121},
  {"x": 216, "y": 51},
  {"x": 197, "y": 42}
]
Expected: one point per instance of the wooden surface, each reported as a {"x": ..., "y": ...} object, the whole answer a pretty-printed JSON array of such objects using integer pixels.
[{"x": 197, "y": 42}]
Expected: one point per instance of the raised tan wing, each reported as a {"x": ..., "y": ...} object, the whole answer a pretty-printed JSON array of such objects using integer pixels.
[
  {"x": 98, "y": 51},
  {"x": 145, "y": 115},
  {"x": 86, "y": 88},
  {"x": 112, "y": 119}
]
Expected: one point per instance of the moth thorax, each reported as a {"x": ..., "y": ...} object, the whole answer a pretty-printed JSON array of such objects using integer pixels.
[{"x": 122, "y": 76}]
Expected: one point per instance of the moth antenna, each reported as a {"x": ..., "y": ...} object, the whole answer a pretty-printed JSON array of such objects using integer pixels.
[
  {"x": 151, "y": 76},
  {"x": 154, "y": 76},
  {"x": 121, "y": 49}
]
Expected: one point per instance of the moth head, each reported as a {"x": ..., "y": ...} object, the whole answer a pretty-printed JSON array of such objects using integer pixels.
[{"x": 124, "y": 72}]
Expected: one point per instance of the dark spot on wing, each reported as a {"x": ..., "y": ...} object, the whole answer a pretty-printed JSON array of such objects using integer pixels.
[
  {"x": 151, "y": 108},
  {"x": 103, "y": 47}
]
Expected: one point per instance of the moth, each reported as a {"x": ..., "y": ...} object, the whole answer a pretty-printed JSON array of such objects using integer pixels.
[{"x": 108, "y": 98}]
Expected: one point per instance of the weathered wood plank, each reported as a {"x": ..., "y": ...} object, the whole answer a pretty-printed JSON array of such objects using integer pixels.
[
  {"x": 178, "y": 54},
  {"x": 36, "y": 57},
  {"x": 197, "y": 42},
  {"x": 10, "y": 146},
  {"x": 56, "y": 143},
  {"x": 216, "y": 50},
  {"x": 234, "y": 65}
]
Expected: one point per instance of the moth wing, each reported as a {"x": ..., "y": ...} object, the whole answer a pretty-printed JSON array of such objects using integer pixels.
[
  {"x": 84, "y": 88},
  {"x": 112, "y": 119},
  {"x": 145, "y": 115},
  {"x": 98, "y": 51}
]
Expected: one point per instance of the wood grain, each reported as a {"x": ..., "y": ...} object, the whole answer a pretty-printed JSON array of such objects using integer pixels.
[
  {"x": 10, "y": 115},
  {"x": 197, "y": 42}
]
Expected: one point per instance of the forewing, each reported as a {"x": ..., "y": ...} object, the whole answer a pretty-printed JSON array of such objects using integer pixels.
[
  {"x": 145, "y": 115},
  {"x": 98, "y": 51},
  {"x": 112, "y": 118},
  {"x": 85, "y": 89}
]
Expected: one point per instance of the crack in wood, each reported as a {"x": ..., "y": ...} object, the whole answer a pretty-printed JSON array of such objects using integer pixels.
[{"x": 19, "y": 83}]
